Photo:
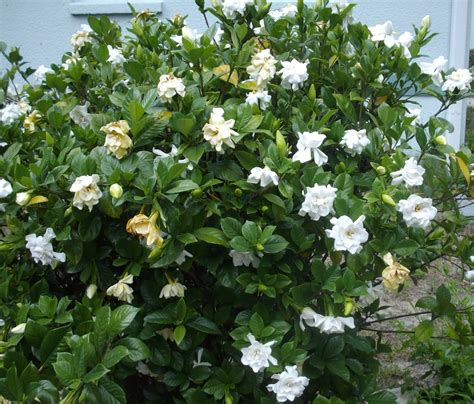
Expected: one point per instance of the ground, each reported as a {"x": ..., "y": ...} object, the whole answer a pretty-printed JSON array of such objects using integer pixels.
[{"x": 398, "y": 367}]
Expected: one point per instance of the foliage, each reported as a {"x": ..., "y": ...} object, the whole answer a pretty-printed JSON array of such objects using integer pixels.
[{"x": 62, "y": 340}]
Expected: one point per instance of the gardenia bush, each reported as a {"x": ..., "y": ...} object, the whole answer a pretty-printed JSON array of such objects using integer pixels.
[{"x": 197, "y": 217}]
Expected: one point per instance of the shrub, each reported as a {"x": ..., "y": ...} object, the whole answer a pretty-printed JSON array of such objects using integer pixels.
[{"x": 192, "y": 218}]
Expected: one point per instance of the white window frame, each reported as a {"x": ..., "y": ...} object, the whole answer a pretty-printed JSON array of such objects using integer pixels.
[{"x": 83, "y": 7}]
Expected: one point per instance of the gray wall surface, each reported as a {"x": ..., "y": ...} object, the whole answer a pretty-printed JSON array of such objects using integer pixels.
[{"x": 42, "y": 28}]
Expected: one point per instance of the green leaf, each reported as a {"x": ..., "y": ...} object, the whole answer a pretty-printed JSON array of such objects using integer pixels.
[
  {"x": 275, "y": 199},
  {"x": 182, "y": 186},
  {"x": 179, "y": 333},
  {"x": 181, "y": 310},
  {"x": 231, "y": 227},
  {"x": 339, "y": 369},
  {"x": 121, "y": 318},
  {"x": 114, "y": 356},
  {"x": 95, "y": 374},
  {"x": 406, "y": 248},
  {"x": 183, "y": 123},
  {"x": 275, "y": 244},
  {"x": 443, "y": 296},
  {"x": 89, "y": 227},
  {"x": 211, "y": 235},
  {"x": 136, "y": 110},
  {"x": 204, "y": 325},
  {"x": 256, "y": 324},
  {"x": 345, "y": 105},
  {"x": 194, "y": 153},
  {"x": 51, "y": 342},
  {"x": 111, "y": 393},
  {"x": 424, "y": 331},
  {"x": 137, "y": 349},
  {"x": 251, "y": 232}
]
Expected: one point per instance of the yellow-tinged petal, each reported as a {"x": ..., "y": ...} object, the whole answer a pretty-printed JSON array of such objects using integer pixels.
[{"x": 37, "y": 199}]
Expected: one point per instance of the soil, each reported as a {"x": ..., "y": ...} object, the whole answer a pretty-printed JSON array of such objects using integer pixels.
[{"x": 398, "y": 367}]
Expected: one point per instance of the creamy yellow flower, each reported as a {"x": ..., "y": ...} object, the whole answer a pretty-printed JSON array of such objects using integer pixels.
[
  {"x": 167, "y": 334},
  {"x": 117, "y": 141},
  {"x": 31, "y": 120},
  {"x": 395, "y": 274},
  {"x": 172, "y": 289},
  {"x": 145, "y": 227},
  {"x": 121, "y": 290}
]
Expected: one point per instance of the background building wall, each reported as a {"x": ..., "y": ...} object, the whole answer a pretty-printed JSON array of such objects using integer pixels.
[{"x": 42, "y": 28}]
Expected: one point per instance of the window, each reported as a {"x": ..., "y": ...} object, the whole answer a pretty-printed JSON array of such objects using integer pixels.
[{"x": 78, "y": 7}]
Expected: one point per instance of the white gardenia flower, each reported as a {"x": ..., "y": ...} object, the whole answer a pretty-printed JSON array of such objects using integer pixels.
[
  {"x": 231, "y": 8},
  {"x": 80, "y": 116},
  {"x": 414, "y": 113},
  {"x": 218, "y": 131},
  {"x": 172, "y": 289},
  {"x": 435, "y": 69},
  {"x": 383, "y": 33},
  {"x": 41, "y": 72},
  {"x": 289, "y": 384},
  {"x": 469, "y": 276},
  {"x": 308, "y": 147},
  {"x": 115, "y": 56},
  {"x": 263, "y": 175},
  {"x": 404, "y": 41},
  {"x": 199, "y": 359},
  {"x": 41, "y": 248},
  {"x": 80, "y": 38},
  {"x": 5, "y": 188},
  {"x": 169, "y": 86},
  {"x": 411, "y": 174},
  {"x": 262, "y": 68},
  {"x": 293, "y": 74},
  {"x": 71, "y": 60},
  {"x": 245, "y": 258},
  {"x": 257, "y": 355},
  {"x": 288, "y": 11},
  {"x": 190, "y": 34},
  {"x": 326, "y": 324},
  {"x": 318, "y": 202},
  {"x": 182, "y": 257},
  {"x": 86, "y": 191},
  {"x": 460, "y": 79},
  {"x": 19, "y": 329},
  {"x": 355, "y": 141},
  {"x": 121, "y": 290},
  {"x": 161, "y": 154},
  {"x": 348, "y": 235},
  {"x": 260, "y": 98},
  {"x": 22, "y": 198},
  {"x": 417, "y": 211},
  {"x": 10, "y": 113}
]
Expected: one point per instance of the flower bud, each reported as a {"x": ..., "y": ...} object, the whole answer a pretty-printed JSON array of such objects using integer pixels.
[
  {"x": 262, "y": 288},
  {"x": 68, "y": 211},
  {"x": 264, "y": 209},
  {"x": 340, "y": 167},
  {"x": 22, "y": 198},
  {"x": 426, "y": 22},
  {"x": 259, "y": 247},
  {"x": 380, "y": 170},
  {"x": 91, "y": 291},
  {"x": 196, "y": 193},
  {"x": 312, "y": 92},
  {"x": 440, "y": 140},
  {"x": 299, "y": 6},
  {"x": 238, "y": 192},
  {"x": 116, "y": 191},
  {"x": 348, "y": 306},
  {"x": 388, "y": 200}
]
